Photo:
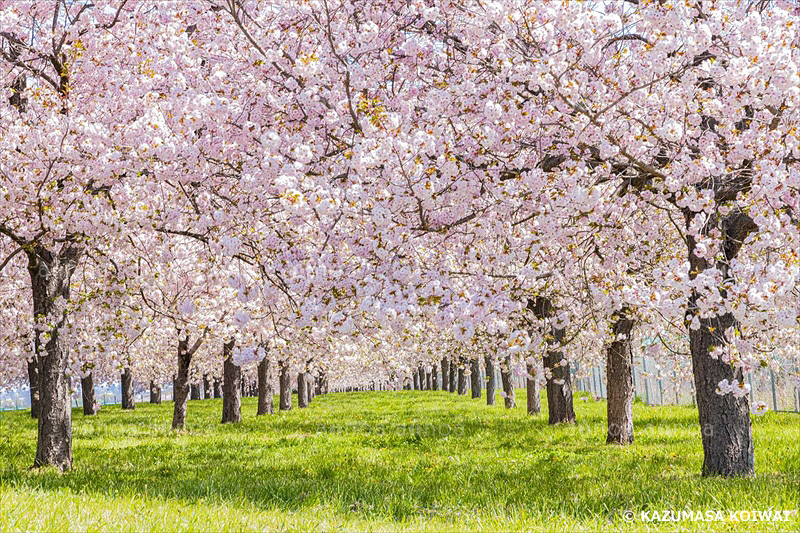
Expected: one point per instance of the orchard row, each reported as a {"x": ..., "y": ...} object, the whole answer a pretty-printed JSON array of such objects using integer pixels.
[{"x": 349, "y": 189}]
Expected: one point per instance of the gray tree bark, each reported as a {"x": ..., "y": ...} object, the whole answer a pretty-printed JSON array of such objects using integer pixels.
[
  {"x": 490, "y": 380},
  {"x": 208, "y": 392},
  {"x": 462, "y": 377},
  {"x": 128, "y": 397},
  {"x": 180, "y": 387},
  {"x": 302, "y": 390},
  {"x": 33, "y": 380},
  {"x": 508, "y": 386},
  {"x": 415, "y": 377},
  {"x": 428, "y": 380},
  {"x": 445, "y": 374},
  {"x": 285, "y": 386},
  {"x": 619, "y": 366},
  {"x": 50, "y": 275},
  {"x": 724, "y": 419},
  {"x": 532, "y": 392},
  {"x": 90, "y": 405},
  {"x": 475, "y": 377},
  {"x": 453, "y": 375},
  {"x": 265, "y": 392},
  {"x": 155, "y": 393},
  {"x": 217, "y": 388},
  {"x": 195, "y": 391},
  {"x": 231, "y": 387},
  {"x": 435, "y": 378},
  {"x": 559, "y": 386}
]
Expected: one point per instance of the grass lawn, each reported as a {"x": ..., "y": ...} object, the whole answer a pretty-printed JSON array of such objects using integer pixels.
[{"x": 388, "y": 461}]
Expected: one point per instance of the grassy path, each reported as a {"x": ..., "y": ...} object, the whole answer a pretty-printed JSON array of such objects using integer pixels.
[{"x": 387, "y": 461}]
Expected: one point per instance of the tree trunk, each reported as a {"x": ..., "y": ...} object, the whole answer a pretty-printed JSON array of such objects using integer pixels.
[
  {"x": 445, "y": 374},
  {"x": 265, "y": 393},
  {"x": 180, "y": 387},
  {"x": 508, "y": 386},
  {"x": 462, "y": 378},
  {"x": 231, "y": 387},
  {"x": 50, "y": 286},
  {"x": 490, "y": 380},
  {"x": 155, "y": 393},
  {"x": 128, "y": 397},
  {"x": 285, "y": 386},
  {"x": 724, "y": 418},
  {"x": 195, "y": 391},
  {"x": 559, "y": 387},
  {"x": 90, "y": 405},
  {"x": 453, "y": 375},
  {"x": 310, "y": 387},
  {"x": 435, "y": 378},
  {"x": 302, "y": 390},
  {"x": 415, "y": 376},
  {"x": 33, "y": 380},
  {"x": 208, "y": 392},
  {"x": 475, "y": 377},
  {"x": 532, "y": 391},
  {"x": 428, "y": 380},
  {"x": 619, "y": 366},
  {"x": 217, "y": 388}
]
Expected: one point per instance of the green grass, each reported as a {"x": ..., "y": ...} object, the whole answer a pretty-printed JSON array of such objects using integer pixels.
[{"x": 386, "y": 461}]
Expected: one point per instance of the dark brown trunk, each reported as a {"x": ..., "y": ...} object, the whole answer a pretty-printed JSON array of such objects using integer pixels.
[
  {"x": 33, "y": 380},
  {"x": 302, "y": 390},
  {"x": 195, "y": 392},
  {"x": 490, "y": 380},
  {"x": 180, "y": 385},
  {"x": 508, "y": 386},
  {"x": 415, "y": 376},
  {"x": 453, "y": 376},
  {"x": 462, "y": 378},
  {"x": 445, "y": 374},
  {"x": 428, "y": 380},
  {"x": 208, "y": 392},
  {"x": 559, "y": 387},
  {"x": 50, "y": 286},
  {"x": 265, "y": 393},
  {"x": 128, "y": 398},
  {"x": 532, "y": 392},
  {"x": 90, "y": 405},
  {"x": 475, "y": 377},
  {"x": 285, "y": 386},
  {"x": 217, "y": 388},
  {"x": 435, "y": 378},
  {"x": 231, "y": 387},
  {"x": 155, "y": 393},
  {"x": 619, "y": 367},
  {"x": 724, "y": 418}
]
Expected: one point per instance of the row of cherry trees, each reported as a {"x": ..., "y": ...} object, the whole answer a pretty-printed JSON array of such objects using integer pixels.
[{"x": 353, "y": 188}]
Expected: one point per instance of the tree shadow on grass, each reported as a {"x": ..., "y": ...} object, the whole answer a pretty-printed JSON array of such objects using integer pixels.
[{"x": 304, "y": 459}]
